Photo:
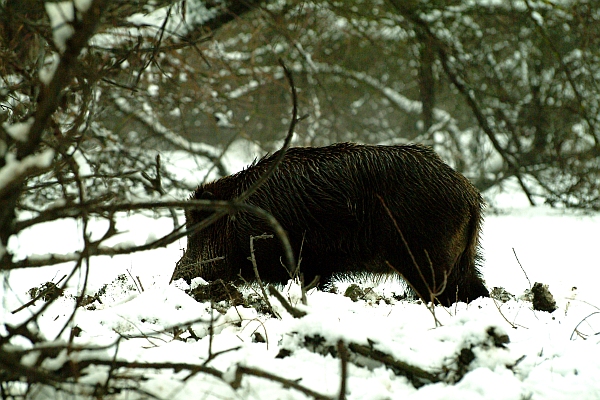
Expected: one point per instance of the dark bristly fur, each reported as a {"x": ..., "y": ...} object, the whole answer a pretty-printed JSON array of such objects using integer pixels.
[{"x": 332, "y": 203}]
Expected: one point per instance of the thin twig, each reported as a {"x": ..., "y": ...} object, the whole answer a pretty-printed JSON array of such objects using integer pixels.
[
  {"x": 286, "y": 143},
  {"x": 343, "y": 354},
  {"x": 139, "y": 281},
  {"x": 575, "y": 330},
  {"x": 502, "y": 314},
  {"x": 523, "y": 269},
  {"x": 211, "y": 332},
  {"x": 313, "y": 284},
  {"x": 134, "y": 282},
  {"x": 431, "y": 310},
  {"x": 257, "y": 275},
  {"x": 433, "y": 293},
  {"x": 241, "y": 371},
  {"x": 41, "y": 294}
]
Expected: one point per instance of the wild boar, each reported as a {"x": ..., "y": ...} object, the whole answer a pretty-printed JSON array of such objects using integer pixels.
[{"x": 348, "y": 208}]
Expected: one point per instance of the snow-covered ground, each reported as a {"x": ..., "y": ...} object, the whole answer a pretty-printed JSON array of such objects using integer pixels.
[{"x": 548, "y": 356}]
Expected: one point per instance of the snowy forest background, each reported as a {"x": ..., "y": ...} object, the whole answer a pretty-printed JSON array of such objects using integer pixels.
[{"x": 94, "y": 95}]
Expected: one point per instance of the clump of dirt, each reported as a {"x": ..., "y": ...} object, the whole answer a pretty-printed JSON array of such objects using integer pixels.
[
  {"x": 356, "y": 293},
  {"x": 223, "y": 295},
  {"x": 467, "y": 354},
  {"x": 46, "y": 291},
  {"x": 539, "y": 296},
  {"x": 542, "y": 298},
  {"x": 119, "y": 287},
  {"x": 217, "y": 291},
  {"x": 501, "y": 294}
]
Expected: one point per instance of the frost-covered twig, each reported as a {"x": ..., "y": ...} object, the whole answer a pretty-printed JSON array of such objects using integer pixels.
[
  {"x": 74, "y": 210},
  {"x": 29, "y": 146},
  {"x": 15, "y": 172}
]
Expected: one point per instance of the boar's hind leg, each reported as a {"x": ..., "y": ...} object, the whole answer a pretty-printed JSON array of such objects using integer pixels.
[
  {"x": 447, "y": 268},
  {"x": 464, "y": 282}
]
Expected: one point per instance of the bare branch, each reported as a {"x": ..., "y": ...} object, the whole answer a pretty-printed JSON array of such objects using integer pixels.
[
  {"x": 76, "y": 209},
  {"x": 241, "y": 371},
  {"x": 294, "y": 312}
]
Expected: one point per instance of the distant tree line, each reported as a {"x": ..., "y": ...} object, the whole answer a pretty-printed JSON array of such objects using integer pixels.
[{"x": 501, "y": 90}]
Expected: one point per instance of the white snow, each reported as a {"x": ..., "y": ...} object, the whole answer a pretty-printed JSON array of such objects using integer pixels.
[
  {"x": 61, "y": 14},
  {"x": 19, "y": 131},
  {"x": 549, "y": 356},
  {"x": 14, "y": 170},
  {"x": 82, "y": 5},
  {"x": 49, "y": 68}
]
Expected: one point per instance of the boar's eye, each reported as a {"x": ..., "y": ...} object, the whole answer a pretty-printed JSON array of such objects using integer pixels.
[{"x": 206, "y": 195}]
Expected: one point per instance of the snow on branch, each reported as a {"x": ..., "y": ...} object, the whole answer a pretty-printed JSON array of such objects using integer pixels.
[
  {"x": 62, "y": 17},
  {"x": 16, "y": 171},
  {"x": 50, "y": 94}
]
